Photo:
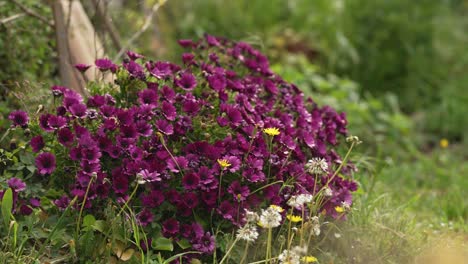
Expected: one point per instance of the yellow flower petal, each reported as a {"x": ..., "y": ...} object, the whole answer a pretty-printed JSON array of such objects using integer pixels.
[
  {"x": 444, "y": 143},
  {"x": 224, "y": 163},
  {"x": 339, "y": 209},
  {"x": 271, "y": 131},
  {"x": 277, "y": 208},
  {"x": 294, "y": 218},
  {"x": 309, "y": 259}
]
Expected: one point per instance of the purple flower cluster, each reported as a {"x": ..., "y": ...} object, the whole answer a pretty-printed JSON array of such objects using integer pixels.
[
  {"x": 21, "y": 205},
  {"x": 193, "y": 140}
]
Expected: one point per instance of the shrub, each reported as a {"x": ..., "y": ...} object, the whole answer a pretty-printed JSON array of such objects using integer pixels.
[{"x": 190, "y": 148}]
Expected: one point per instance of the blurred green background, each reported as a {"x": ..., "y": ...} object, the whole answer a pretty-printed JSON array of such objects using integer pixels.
[{"x": 399, "y": 69}]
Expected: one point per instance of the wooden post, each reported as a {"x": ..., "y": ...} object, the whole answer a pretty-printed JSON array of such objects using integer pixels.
[{"x": 77, "y": 42}]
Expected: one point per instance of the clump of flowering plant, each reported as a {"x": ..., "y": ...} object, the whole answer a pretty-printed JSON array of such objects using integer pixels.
[{"x": 192, "y": 147}]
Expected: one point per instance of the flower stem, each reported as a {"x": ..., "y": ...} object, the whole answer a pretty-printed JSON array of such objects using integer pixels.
[
  {"x": 268, "y": 251},
  {"x": 219, "y": 186},
  {"x": 302, "y": 226},
  {"x": 5, "y": 134},
  {"x": 229, "y": 251},
  {"x": 128, "y": 200},
  {"x": 246, "y": 249},
  {"x": 289, "y": 232},
  {"x": 342, "y": 164},
  {"x": 78, "y": 223}
]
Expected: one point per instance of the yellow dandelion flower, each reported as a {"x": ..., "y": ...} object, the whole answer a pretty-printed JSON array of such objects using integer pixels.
[
  {"x": 294, "y": 218},
  {"x": 279, "y": 209},
  {"x": 339, "y": 209},
  {"x": 443, "y": 143},
  {"x": 309, "y": 259},
  {"x": 224, "y": 163},
  {"x": 271, "y": 131}
]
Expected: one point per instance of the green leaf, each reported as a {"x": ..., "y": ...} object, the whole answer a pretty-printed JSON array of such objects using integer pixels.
[
  {"x": 99, "y": 225},
  {"x": 162, "y": 243},
  {"x": 180, "y": 255},
  {"x": 31, "y": 168},
  {"x": 88, "y": 221},
  {"x": 7, "y": 205},
  {"x": 200, "y": 220},
  {"x": 184, "y": 243}
]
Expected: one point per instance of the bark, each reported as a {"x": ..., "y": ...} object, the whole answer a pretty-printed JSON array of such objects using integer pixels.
[{"x": 77, "y": 42}]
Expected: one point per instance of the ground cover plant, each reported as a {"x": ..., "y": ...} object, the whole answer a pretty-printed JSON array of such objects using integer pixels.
[
  {"x": 395, "y": 68},
  {"x": 168, "y": 163}
]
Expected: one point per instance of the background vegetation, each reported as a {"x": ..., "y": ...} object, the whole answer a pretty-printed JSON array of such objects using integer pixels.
[{"x": 397, "y": 68}]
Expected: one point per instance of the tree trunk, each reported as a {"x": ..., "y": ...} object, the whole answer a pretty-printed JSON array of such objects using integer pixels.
[{"x": 77, "y": 42}]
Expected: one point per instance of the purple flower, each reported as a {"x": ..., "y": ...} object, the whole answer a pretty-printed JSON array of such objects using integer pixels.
[
  {"x": 170, "y": 227},
  {"x": 210, "y": 197},
  {"x": 145, "y": 245},
  {"x": 16, "y": 184},
  {"x": 187, "y": 58},
  {"x": 147, "y": 176},
  {"x": 19, "y": 118},
  {"x": 226, "y": 210},
  {"x": 58, "y": 90},
  {"x": 234, "y": 163},
  {"x": 169, "y": 111},
  {"x": 192, "y": 231},
  {"x": 211, "y": 40},
  {"x": 239, "y": 192},
  {"x": 62, "y": 203},
  {"x": 253, "y": 175},
  {"x": 161, "y": 69},
  {"x": 128, "y": 131},
  {"x": 25, "y": 209},
  {"x": 120, "y": 184},
  {"x": 205, "y": 244},
  {"x": 56, "y": 122},
  {"x": 148, "y": 96},
  {"x": 91, "y": 154},
  {"x": 134, "y": 56},
  {"x": 177, "y": 163},
  {"x": 168, "y": 94},
  {"x": 82, "y": 67},
  {"x": 191, "y": 181},
  {"x": 134, "y": 69},
  {"x": 45, "y": 163},
  {"x": 78, "y": 110},
  {"x": 217, "y": 82},
  {"x": 234, "y": 116},
  {"x": 190, "y": 201},
  {"x": 75, "y": 154},
  {"x": 165, "y": 127},
  {"x": 213, "y": 57},
  {"x": 37, "y": 143},
  {"x": 185, "y": 43},
  {"x": 89, "y": 166},
  {"x": 153, "y": 199},
  {"x": 145, "y": 217},
  {"x": 96, "y": 101},
  {"x": 186, "y": 81},
  {"x": 173, "y": 196},
  {"x": 105, "y": 65},
  {"x": 191, "y": 107},
  {"x": 35, "y": 202},
  {"x": 144, "y": 128},
  {"x": 65, "y": 136}
]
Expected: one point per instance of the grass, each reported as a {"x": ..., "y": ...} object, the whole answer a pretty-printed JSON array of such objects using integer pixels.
[{"x": 408, "y": 210}]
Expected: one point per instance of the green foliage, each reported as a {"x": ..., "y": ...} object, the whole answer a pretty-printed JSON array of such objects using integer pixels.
[
  {"x": 7, "y": 206},
  {"x": 375, "y": 121},
  {"x": 28, "y": 44},
  {"x": 413, "y": 49}
]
